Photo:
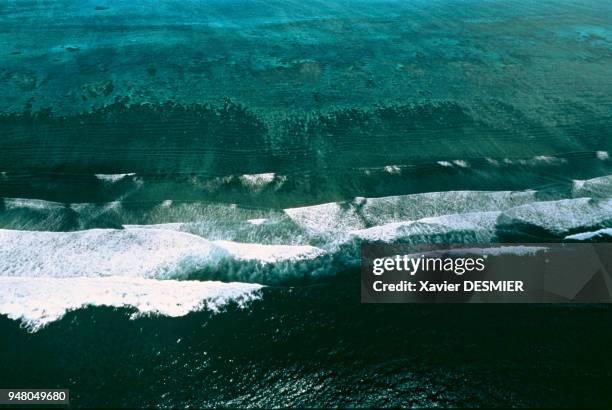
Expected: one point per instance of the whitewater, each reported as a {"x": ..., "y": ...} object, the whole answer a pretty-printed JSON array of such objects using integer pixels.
[{"x": 199, "y": 256}]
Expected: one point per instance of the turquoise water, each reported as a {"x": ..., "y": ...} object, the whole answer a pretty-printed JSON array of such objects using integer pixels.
[{"x": 184, "y": 187}]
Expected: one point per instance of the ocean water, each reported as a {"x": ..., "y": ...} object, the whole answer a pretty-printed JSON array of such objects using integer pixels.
[{"x": 185, "y": 185}]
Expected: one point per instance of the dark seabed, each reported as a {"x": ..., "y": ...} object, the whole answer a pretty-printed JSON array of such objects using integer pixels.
[{"x": 184, "y": 187}]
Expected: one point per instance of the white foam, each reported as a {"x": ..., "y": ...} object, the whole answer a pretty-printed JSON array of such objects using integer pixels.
[
  {"x": 585, "y": 236},
  {"x": 474, "y": 221},
  {"x": 112, "y": 178},
  {"x": 133, "y": 252},
  {"x": 461, "y": 163},
  {"x": 257, "y": 221},
  {"x": 216, "y": 214},
  {"x": 561, "y": 216},
  {"x": 170, "y": 226},
  {"x": 480, "y": 224},
  {"x": 101, "y": 252},
  {"x": 257, "y": 180},
  {"x": 218, "y": 182},
  {"x": 93, "y": 209},
  {"x": 445, "y": 163},
  {"x": 343, "y": 217},
  {"x": 393, "y": 169},
  {"x": 380, "y": 211},
  {"x": 38, "y": 204},
  {"x": 595, "y": 187},
  {"x": 518, "y": 250},
  {"x": 329, "y": 217},
  {"x": 538, "y": 160},
  {"x": 385, "y": 233},
  {"x": 52, "y": 216},
  {"x": 545, "y": 158},
  {"x": 269, "y": 253},
  {"x": 39, "y": 301},
  {"x": 578, "y": 183}
]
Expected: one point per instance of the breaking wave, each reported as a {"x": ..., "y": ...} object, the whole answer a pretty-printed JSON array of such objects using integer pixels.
[
  {"x": 167, "y": 257},
  {"x": 145, "y": 253},
  {"x": 40, "y": 301}
]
